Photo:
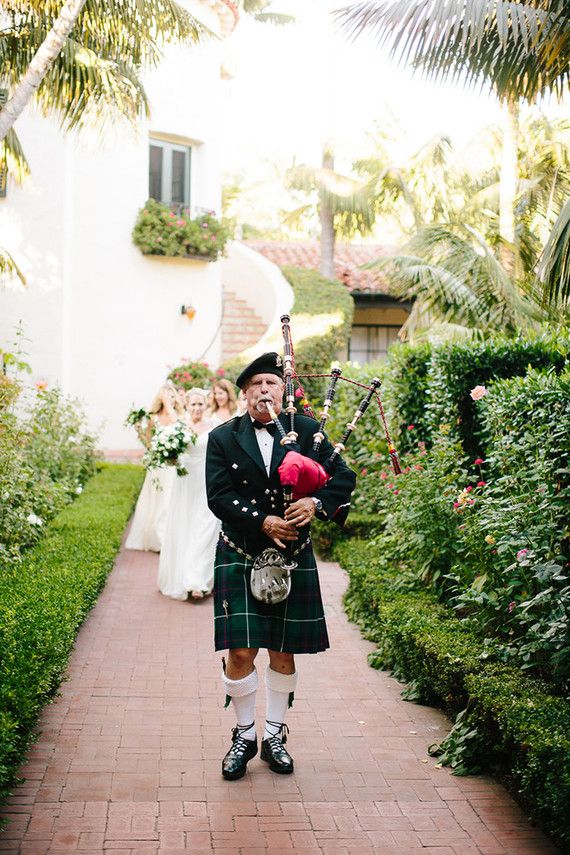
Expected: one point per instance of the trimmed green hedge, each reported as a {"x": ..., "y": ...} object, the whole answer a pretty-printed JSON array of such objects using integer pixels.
[
  {"x": 511, "y": 723},
  {"x": 45, "y": 598},
  {"x": 455, "y": 369},
  {"x": 321, "y": 320}
]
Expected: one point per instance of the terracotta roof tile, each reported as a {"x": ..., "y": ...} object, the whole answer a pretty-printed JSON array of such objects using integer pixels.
[{"x": 347, "y": 261}]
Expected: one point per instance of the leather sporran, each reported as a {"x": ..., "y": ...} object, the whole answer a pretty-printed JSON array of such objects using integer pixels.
[{"x": 270, "y": 579}]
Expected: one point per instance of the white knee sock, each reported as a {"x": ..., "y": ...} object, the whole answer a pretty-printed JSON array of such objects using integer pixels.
[
  {"x": 242, "y": 693},
  {"x": 278, "y": 688}
]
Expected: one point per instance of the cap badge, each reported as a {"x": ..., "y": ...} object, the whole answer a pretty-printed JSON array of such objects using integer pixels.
[{"x": 278, "y": 361}]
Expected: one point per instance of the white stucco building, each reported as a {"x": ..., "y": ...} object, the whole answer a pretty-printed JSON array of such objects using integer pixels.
[{"x": 102, "y": 320}]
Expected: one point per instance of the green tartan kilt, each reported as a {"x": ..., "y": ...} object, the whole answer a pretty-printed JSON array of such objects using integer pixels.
[{"x": 297, "y": 625}]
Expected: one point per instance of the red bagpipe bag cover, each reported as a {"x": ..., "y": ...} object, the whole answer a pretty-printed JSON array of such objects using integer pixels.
[{"x": 304, "y": 475}]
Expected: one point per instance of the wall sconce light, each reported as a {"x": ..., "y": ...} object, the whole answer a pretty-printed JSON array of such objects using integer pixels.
[{"x": 189, "y": 311}]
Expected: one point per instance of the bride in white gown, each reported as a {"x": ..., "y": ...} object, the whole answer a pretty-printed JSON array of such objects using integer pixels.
[
  {"x": 149, "y": 520},
  {"x": 187, "y": 557}
]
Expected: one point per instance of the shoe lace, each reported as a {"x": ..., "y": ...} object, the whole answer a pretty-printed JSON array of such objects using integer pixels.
[
  {"x": 239, "y": 745},
  {"x": 279, "y": 739}
]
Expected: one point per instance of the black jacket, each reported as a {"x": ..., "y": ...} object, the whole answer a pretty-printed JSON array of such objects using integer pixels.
[{"x": 241, "y": 494}]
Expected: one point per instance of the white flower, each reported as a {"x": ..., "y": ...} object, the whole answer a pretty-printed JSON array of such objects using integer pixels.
[
  {"x": 79, "y": 490},
  {"x": 34, "y": 520}
]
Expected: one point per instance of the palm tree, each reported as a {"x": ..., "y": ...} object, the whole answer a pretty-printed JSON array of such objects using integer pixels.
[
  {"x": 457, "y": 284},
  {"x": 519, "y": 50},
  {"x": 344, "y": 205},
  {"x": 83, "y": 61},
  {"x": 451, "y": 265}
]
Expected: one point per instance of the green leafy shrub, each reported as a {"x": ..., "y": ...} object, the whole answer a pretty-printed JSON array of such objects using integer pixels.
[
  {"x": 46, "y": 456},
  {"x": 44, "y": 600},
  {"x": 512, "y": 570},
  {"x": 367, "y": 449},
  {"x": 191, "y": 374},
  {"x": 406, "y": 394},
  {"x": 160, "y": 231},
  {"x": 456, "y": 369},
  {"x": 512, "y": 724}
]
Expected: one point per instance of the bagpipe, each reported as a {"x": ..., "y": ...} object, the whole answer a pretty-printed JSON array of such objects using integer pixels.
[{"x": 300, "y": 475}]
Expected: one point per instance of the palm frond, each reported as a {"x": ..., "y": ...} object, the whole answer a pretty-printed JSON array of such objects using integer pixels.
[
  {"x": 451, "y": 271},
  {"x": 517, "y": 49},
  {"x": 9, "y": 267},
  {"x": 12, "y": 154},
  {"x": 276, "y": 18},
  {"x": 554, "y": 267},
  {"x": 97, "y": 74}
]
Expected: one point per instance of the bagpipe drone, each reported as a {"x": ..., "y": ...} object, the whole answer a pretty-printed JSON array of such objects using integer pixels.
[{"x": 300, "y": 475}]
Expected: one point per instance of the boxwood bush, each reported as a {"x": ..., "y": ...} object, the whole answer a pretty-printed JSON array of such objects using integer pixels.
[
  {"x": 507, "y": 723},
  {"x": 45, "y": 598}
]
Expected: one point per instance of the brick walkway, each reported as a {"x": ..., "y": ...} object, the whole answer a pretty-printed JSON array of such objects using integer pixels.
[{"x": 129, "y": 756}]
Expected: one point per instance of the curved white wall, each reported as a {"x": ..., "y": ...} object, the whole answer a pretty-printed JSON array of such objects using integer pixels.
[{"x": 258, "y": 281}]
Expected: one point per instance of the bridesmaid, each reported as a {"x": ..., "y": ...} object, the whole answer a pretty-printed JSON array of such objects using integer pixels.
[
  {"x": 224, "y": 405},
  {"x": 149, "y": 521},
  {"x": 187, "y": 558}
]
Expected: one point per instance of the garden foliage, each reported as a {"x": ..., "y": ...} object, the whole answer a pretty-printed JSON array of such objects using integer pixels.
[
  {"x": 46, "y": 456},
  {"x": 507, "y": 722},
  {"x": 44, "y": 599},
  {"x": 190, "y": 374},
  {"x": 465, "y": 582},
  {"x": 161, "y": 231}
]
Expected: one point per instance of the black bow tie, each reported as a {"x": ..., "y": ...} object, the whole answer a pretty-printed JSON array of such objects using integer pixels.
[{"x": 269, "y": 426}]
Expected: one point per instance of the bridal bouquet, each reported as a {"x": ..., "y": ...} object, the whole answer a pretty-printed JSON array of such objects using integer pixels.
[
  {"x": 136, "y": 416},
  {"x": 166, "y": 446}
]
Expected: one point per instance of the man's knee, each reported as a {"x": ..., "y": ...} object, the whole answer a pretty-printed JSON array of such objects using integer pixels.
[
  {"x": 240, "y": 662},
  {"x": 283, "y": 663}
]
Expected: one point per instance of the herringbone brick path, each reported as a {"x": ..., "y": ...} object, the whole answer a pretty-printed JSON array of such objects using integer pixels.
[{"x": 128, "y": 760}]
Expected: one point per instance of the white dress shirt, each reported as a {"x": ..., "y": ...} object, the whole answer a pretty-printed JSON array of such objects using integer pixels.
[{"x": 265, "y": 442}]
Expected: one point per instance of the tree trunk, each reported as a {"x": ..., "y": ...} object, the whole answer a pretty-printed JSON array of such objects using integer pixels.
[
  {"x": 326, "y": 217},
  {"x": 508, "y": 184},
  {"x": 45, "y": 56}
]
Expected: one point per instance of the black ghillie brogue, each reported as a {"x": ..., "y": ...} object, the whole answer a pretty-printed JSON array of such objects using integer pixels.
[
  {"x": 235, "y": 762},
  {"x": 273, "y": 750}
]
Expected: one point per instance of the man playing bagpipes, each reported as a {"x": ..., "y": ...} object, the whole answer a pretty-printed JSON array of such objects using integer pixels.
[{"x": 266, "y": 584}]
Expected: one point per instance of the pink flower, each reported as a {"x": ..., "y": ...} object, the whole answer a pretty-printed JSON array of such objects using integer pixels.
[
  {"x": 41, "y": 385},
  {"x": 521, "y": 554},
  {"x": 478, "y": 392},
  {"x": 180, "y": 222},
  {"x": 364, "y": 471},
  {"x": 383, "y": 475},
  {"x": 478, "y": 461},
  {"x": 457, "y": 504},
  {"x": 411, "y": 427},
  {"x": 418, "y": 466},
  {"x": 469, "y": 488},
  {"x": 512, "y": 605},
  {"x": 389, "y": 486},
  {"x": 481, "y": 483},
  {"x": 204, "y": 225},
  {"x": 396, "y": 492},
  {"x": 171, "y": 215}
]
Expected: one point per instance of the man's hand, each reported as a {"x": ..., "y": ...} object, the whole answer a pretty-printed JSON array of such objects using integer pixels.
[
  {"x": 279, "y": 530},
  {"x": 300, "y": 512}
]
